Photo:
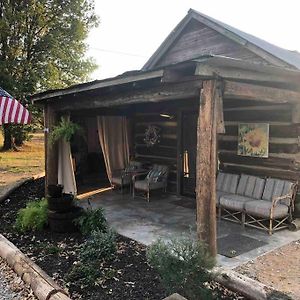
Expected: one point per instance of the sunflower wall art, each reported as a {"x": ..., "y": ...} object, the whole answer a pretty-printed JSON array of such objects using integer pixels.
[{"x": 253, "y": 139}]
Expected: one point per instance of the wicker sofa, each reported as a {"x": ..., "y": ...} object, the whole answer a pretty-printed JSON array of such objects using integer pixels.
[{"x": 257, "y": 202}]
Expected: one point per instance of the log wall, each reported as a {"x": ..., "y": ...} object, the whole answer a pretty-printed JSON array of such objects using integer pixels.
[
  {"x": 284, "y": 150},
  {"x": 165, "y": 152}
]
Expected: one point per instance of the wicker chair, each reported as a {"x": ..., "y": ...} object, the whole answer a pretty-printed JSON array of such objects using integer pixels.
[
  {"x": 123, "y": 177},
  {"x": 155, "y": 179}
]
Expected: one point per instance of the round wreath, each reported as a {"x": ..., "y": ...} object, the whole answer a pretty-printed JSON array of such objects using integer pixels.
[{"x": 152, "y": 136}]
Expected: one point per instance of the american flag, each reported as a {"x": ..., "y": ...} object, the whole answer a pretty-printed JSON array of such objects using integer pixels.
[{"x": 11, "y": 111}]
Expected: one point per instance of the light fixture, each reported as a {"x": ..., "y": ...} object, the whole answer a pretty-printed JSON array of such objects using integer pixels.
[{"x": 164, "y": 115}]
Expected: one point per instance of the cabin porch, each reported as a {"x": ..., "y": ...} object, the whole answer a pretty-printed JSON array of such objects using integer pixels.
[
  {"x": 198, "y": 111},
  {"x": 170, "y": 216}
]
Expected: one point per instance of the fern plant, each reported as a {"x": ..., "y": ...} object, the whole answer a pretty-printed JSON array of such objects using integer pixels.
[
  {"x": 66, "y": 129},
  {"x": 33, "y": 217}
]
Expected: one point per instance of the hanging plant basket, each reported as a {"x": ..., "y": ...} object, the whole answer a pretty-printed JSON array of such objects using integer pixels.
[{"x": 66, "y": 129}]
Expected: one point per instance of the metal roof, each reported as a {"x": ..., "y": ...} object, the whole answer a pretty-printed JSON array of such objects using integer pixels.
[
  {"x": 291, "y": 57},
  {"x": 288, "y": 57}
]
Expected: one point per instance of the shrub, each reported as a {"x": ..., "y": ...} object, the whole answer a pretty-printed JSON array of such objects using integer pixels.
[
  {"x": 82, "y": 275},
  {"x": 33, "y": 217},
  {"x": 92, "y": 220},
  {"x": 100, "y": 246},
  {"x": 183, "y": 266}
]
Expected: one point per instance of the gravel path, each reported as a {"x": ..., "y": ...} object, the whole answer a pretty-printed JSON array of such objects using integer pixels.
[
  {"x": 5, "y": 291},
  {"x": 11, "y": 286}
]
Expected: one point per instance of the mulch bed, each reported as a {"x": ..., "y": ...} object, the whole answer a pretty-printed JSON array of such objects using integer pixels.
[{"x": 130, "y": 277}]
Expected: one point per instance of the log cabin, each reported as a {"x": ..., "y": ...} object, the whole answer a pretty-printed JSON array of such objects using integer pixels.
[{"x": 204, "y": 80}]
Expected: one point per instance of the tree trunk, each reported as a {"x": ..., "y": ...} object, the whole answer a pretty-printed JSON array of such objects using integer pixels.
[
  {"x": 19, "y": 140},
  {"x": 8, "y": 140}
]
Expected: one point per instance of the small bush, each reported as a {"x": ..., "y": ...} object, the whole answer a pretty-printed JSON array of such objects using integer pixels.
[
  {"x": 100, "y": 246},
  {"x": 183, "y": 266},
  {"x": 92, "y": 220},
  {"x": 33, "y": 217},
  {"x": 82, "y": 275}
]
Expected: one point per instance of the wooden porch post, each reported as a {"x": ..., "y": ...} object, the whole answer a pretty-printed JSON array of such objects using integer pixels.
[
  {"x": 51, "y": 154},
  {"x": 206, "y": 166}
]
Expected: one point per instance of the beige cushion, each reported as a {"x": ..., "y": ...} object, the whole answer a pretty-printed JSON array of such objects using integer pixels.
[
  {"x": 118, "y": 180},
  {"x": 262, "y": 208},
  {"x": 251, "y": 186},
  {"x": 227, "y": 182},
  {"x": 276, "y": 188},
  {"x": 219, "y": 195},
  {"x": 234, "y": 202},
  {"x": 143, "y": 185}
]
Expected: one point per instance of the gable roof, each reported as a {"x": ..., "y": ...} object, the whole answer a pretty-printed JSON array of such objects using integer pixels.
[{"x": 271, "y": 53}]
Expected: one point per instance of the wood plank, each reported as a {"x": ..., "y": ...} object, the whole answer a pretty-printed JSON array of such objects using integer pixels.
[
  {"x": 51, "y": 150},
  {"x": 164, "y": 136},
  {"x": 160, "y": 93},
  {"x": 98, "y": 84},
  {"x": 278, "y": 131},
  {"x": 220, "y": 110},
  {"x": 165, "y": 141},
  {"x": 179, "y": 153},
  {"x": 273, "y": 148},
  {"x": 271, "y": 155},
  {"x": 258, "y": 116},
  {"x": 238, "y": 73},
  {"x": 296, "y": 114},
  {"x": 261, "y": 171},
  {"x": 274, "y": 162},
  {"x": 159, "y": 123},
  {"x": 155, "y": 157},
  {"x": 238, "y": 90},
  {"x": 157, "y": 151},
  {"x": 206, "y": 167},
  {"x": 280, "y": 107},
  {"x": 272, "y": 140},
  {"x": 166, "y": 130}
]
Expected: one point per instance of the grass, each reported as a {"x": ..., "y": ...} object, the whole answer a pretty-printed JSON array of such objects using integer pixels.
[{"x": 27, "y": 161}]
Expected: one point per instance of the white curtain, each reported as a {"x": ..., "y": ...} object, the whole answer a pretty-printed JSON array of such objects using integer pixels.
[
  {"x": 113, "y": 137},
  {"x": 66, "y": 175}
]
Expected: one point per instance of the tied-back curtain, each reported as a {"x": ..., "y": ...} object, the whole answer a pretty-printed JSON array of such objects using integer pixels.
[
  {"x": 66, "y": 175},
  {"x": 113, "y": 137}
]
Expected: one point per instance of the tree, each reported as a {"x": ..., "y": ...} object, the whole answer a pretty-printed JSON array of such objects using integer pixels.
[{"x": 42, "y": 46}]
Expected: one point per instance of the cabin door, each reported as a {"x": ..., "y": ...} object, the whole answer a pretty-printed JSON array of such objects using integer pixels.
[{"x": 189, "y": 148}]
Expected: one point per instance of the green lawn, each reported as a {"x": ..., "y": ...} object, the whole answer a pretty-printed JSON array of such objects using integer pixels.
[{"x": 27, "y": 161}]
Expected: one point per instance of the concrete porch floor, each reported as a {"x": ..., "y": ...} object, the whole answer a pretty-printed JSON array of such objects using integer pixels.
[{"x": 163, "y": 218}]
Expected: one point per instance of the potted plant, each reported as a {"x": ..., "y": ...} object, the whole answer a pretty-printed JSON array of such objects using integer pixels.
[{"x": 65, "y": 129}]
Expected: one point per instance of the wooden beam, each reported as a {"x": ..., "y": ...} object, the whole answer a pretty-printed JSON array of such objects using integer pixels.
[
  {"x": 163, "y": 92},
  {"x": 219, "y": 110},
  {"x": 246, "y": 91},
  {"x": 98, "y": 84},
  {"x": 179, "y": 152},
  {"x": 51, "y": 151},
  {"x": 206, "y": 71},
  {"x": 206, "y": 167}
]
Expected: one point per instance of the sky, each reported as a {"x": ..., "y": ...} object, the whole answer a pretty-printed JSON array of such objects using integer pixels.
[{"x": 130, "y": 31}]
